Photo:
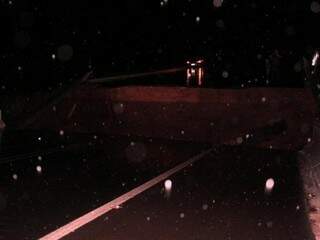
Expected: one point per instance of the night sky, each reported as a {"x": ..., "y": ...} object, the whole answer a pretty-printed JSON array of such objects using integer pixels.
[{"x": 49, "y": 43}]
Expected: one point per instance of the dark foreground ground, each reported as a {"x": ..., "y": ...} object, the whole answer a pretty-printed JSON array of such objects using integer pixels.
[{"x": 219, "y": 197}]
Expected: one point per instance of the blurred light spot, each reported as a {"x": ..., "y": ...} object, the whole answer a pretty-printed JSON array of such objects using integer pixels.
[
  {"x": 225, "y": 74},
  {"x": 39, "y": 158},
  {"x": 315, "y": 59},
  {"x": 15, "y": 177},
  {"x": 217, "y": 3},
  {"x": 182, "y": 215},
  {"x": 53, "y": 56},
  {"x": 269, "y": 185},
  {"x": 168, "y": 185},
  {"x": 197, "y": 19},
  {"x": 263, "y": 99},
  {"x": 205, "y": 207},
  {"x": 39, "y": 169},
  {"x": 61, "y": 132},
  {"x": 315, "y": 6}
]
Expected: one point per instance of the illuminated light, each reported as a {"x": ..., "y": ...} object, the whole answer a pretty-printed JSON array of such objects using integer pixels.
[
  {"x": 263, "y": 99},
  {"x": 39, "y": 139},
  {"x": 225, "y": 74},
  {"x": 200, "y": 74},
  {"x": 198, "y": 19},
  {"x": 309, "y": 139},
  {"x": 39, "y": 158},
  {"x": 15, "y": 177},
  {"x": 39, "y": 169},
  {"x": 315, "y": 59},
  {"x": 217, "y": 3},
  {"x": 193, "y": 71},
  {"x": 182, "y": 215},
  {"x": 193, "y": 64},
  {"x": 269, "y": 185},
  {"x": 168, "y": 185},
  {"x": 61, "y": 132},
  {"x": 53, "y": 56}
]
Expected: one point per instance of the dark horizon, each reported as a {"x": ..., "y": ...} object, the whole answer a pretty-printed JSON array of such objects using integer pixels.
[{"x": 124, "y": 37}]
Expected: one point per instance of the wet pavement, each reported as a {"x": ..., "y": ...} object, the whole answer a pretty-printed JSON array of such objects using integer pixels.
[
  {"x": 49, "y": 178},
  {"x": 219, "y": 197}
]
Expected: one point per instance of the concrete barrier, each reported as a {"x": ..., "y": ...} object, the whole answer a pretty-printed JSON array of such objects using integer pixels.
[{"x": 219, "y": 116}]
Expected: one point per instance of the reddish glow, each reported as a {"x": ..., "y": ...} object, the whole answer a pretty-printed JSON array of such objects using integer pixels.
[
  {"x": 200, "y": 76},
  {"x": 195, "y": 72}
]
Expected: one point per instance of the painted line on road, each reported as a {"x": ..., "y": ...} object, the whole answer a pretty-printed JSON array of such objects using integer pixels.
[{"x": 94, "y": 214}]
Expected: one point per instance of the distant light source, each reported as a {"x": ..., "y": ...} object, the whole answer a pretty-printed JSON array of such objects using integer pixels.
[
  {"x": 195, "y": 72},
  {"x": 168, "y": 185},
  {"x": 315, "y": 59},
  {"x": 39, "y": 169},
  {"x": 269, "y": 185}
]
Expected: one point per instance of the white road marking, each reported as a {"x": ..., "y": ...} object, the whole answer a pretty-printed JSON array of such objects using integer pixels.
[{"x": 94, "y": 214}]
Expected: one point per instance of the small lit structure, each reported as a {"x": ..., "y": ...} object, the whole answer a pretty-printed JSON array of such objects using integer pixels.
[{"x": 195, "y": 73}]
